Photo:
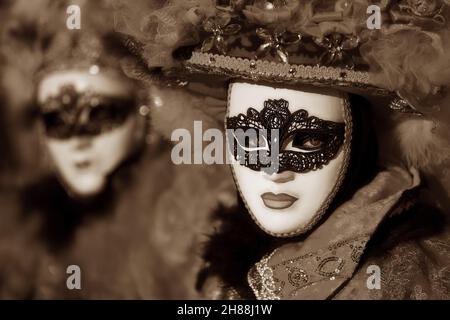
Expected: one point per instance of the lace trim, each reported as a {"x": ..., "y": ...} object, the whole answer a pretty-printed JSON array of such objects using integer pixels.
[
  {"x": 262, "y": 281},
  {"x": 277, "y": 116}
]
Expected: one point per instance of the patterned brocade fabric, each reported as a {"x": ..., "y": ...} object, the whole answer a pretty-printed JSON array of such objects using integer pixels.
[
  {"x": 317, "y": 267},
  {"x": 413, "y": 270},
  {"x": 409, "y": 246},
  {"x": 410, "y": 271},
  {"x": 413, "y": 258}
]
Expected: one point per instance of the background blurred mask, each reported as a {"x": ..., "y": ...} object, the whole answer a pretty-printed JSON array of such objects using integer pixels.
[{"x": 88, "y": 110}]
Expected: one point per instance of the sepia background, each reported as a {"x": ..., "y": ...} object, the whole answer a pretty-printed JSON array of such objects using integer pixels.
[{"x": 143, "y": 235}]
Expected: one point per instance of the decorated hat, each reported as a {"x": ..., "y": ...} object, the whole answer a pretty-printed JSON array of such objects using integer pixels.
[
  {"x": 397, "y": 49},
  {"x": 393, "y": 52}
]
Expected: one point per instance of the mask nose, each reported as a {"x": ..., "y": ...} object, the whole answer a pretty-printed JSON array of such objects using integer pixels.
[
  {"x": 82, "y": 143},
  {"x": 83, "y": 127},
  {"x": 283, "y": 177},
  {"x": 83, "y": 118}
]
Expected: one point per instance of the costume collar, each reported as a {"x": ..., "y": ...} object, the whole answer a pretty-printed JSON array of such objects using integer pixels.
[{"x": 315, "y": 268}]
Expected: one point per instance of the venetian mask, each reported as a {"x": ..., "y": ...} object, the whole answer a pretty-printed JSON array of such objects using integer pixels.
[
  {"x": 306, "y": 135},
  {"x": 89, "y": 123}
]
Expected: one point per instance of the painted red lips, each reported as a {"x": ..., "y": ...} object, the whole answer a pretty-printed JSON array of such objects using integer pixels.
[{"x": 278, "y": 201}]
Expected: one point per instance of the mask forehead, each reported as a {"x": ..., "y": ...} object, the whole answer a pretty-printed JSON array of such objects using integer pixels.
[
  {"x": 102, "y": 83},
  {"x": 325, "y": 104}
]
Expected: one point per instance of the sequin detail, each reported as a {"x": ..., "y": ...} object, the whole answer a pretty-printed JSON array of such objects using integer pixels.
[{"x": 305, "y": 271}]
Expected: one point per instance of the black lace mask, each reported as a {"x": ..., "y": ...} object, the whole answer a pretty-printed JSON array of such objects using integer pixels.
[
  {"x": 275, "y": 131},
  {"x": 71, "y": 113}
]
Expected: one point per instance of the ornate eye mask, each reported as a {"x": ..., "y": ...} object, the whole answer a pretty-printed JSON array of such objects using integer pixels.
[
  {"x": 303, "y": 143},
  {"x": 72, "y": 114}
]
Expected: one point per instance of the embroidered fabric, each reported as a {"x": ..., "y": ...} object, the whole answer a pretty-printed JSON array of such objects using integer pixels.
[
  {"x": 412, "y": 253},
  {"x": 416, "y": 271},
  {"x": 318, "y": 140},
  {"x": 410, "y": 268},
  {"x": 317, "y": 267}
]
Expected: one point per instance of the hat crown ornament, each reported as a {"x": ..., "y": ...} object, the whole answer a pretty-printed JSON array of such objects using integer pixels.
[{"x": 320, "y": 43}]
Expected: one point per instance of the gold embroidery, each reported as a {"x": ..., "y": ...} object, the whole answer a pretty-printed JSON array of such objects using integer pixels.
[{"x": 305, "y": 271}]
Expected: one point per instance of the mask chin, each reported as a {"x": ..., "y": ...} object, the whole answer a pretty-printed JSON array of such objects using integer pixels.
[
  {"x": 85, "y": 186},
  {"x": 291, "y": 201}
]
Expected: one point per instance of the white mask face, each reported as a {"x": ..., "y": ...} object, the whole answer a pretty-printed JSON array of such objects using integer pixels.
[
  {"x": 85, "y": 152},
  {"x": 314, "y": 132}
]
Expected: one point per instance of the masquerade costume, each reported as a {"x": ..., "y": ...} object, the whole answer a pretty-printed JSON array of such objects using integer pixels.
[
  {"x": 122, "y": 237},
  {"x": 284, "y": 63}
]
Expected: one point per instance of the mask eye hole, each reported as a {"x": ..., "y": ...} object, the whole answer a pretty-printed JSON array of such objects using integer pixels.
[
  {"x": 63, "y": 124},
  {"x": 57, "y": 124},
  {"x": 105, "y": 113},
  {"x": 307, "y": 141},
  {"x": 53, "y": 119},
  {"x": 250, "y": 140}
]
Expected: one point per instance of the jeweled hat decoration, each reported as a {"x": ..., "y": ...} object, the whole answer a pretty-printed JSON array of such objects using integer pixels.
[{"x": 322, "y": 43}]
